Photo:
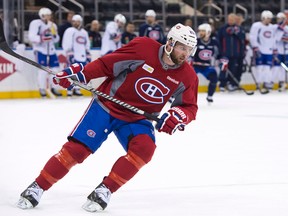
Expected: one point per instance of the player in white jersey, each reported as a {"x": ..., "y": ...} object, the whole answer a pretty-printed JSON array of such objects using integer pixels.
[
  {"x": 111, "y": 39},
  {"x": 76, "y": 44},
  {"x": 262, "y": 42},
  {"x": 281, "y": 37},
  {"x": 43, "y": 36}
]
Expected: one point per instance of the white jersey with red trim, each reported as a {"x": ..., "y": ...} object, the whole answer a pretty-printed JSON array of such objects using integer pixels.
[
  {"x": 76, "y": 41},
  {"x": 262, "y": 36},
  {"x": 111, "y": 39},
  {"x": 37, "y": 30}
]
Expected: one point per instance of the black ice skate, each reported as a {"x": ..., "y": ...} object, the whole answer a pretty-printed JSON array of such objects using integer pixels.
[
  {"x": 30, "y": 197},
  {"x": 98, "y": 199},
  {"x": 56, "y": 92},
  {"x": 209, "y": 99},
  {"x": 77, "y": 92}
]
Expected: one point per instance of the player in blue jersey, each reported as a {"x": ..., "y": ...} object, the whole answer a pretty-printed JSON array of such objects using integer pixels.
[
  {"x": 231, "y": 39},
  {"x": 204, "y": 58},
  {"x": 151, "y": 29}
]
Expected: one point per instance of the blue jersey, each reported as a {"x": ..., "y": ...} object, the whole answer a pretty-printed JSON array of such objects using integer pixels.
[
  {"x": 206, "y": 52},
  {"x": 154, "y": 32},
  {"x": 232, "y": 41}
]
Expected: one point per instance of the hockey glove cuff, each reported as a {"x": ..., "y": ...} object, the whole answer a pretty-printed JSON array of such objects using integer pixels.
[
  {"x": 65, "y": 77},
  {"x": 171, "y": 120}
]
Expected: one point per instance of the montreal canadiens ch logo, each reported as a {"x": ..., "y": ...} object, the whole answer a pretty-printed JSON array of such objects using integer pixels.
[
  {"x": 267, "y": 34},
  {"x": 151, "y": 90},
  {"x": 205, "y": 54},
  {"x": 81, "y": 40}
]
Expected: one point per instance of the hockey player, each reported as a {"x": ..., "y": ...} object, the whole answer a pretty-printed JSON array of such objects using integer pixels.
[
  {"x": 43, "y": 36},
  {"x": 204, "y": 59},
  {"x": 76, "y": 44},
  {"x": 231, "y": 39},
  {"x": 151, "y": 29},
  {"x": 281, "y": 37},
  {"x": 111, "y": 39},
  {"x": 262, "y": 42},
  {"x": 144, "y": 74}
]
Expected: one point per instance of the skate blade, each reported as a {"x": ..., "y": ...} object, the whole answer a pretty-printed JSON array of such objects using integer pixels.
[
  {"x": 91, "y": 206},
  {"x": 24, "y": 203}
]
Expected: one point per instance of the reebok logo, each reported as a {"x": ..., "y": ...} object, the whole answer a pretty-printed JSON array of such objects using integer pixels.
[{"x": 172, "y": 80}]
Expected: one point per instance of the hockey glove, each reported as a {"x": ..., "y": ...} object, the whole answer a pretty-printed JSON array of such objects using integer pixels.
[
  {"x": 230, "y": 30},
  {"x": 46, "y": 37},
  {"x": 256, "y": 52},
  {"x": 74, "y": 72},
  {"x": 171, "y": 120},
  {"x": 88, "y": 57},
  {"x": 223, "y": 64},
  {"x": 282, "y": 25},
  {"x": 70, "y": 57}
]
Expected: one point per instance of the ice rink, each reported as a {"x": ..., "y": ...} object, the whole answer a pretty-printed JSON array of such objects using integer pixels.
[{"x": 231, "y": 161}]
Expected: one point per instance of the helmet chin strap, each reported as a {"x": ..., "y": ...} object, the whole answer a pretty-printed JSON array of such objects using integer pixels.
[{"x": 169, "y": 52}]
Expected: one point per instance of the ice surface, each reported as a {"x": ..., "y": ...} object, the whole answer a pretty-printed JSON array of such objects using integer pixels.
[{"x": 231, "y": 161}]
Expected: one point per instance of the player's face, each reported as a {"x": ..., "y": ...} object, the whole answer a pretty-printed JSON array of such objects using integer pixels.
[
  {"x": 130, "y": 28},
  {"x": 76, "y": 24},
  {"x": 150, "y": 19},
  {"x": 180, "y": 53},
  {"x": 47, "y": 18},
  {"x": 266, "y": 21},
  {"x": 202, "y": 34}
]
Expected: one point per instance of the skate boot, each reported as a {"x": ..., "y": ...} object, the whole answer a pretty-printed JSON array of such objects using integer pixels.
[
  {"x": 98, "y": 199},
  {"x": 43, "y": 93},
  {"x": 56, "y": 92},
  {"x": 282, "y": 86},
  {"x": 209, "y": 99},
  {"x": 77, "y": 92},
  {"x": 69, "y": 93},
  {"x": 30, "y": 197}
]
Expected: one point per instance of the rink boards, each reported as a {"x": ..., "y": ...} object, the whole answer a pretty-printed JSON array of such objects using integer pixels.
[{"x": 19, "y": 79}]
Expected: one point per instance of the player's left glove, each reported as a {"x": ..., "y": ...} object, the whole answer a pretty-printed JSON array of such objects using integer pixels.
[
  {"x": 223, "y": 64},
  {"x": 171, "y": 120},
  {"x": 282, "y": 25},
  {"x": 74, "y": 72}
]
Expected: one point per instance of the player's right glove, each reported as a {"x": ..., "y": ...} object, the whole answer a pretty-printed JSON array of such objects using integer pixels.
[
  {"x": 256, "y": 52},
  {"x": 171, "y": 120},
  {"x": 70, "y": 57},
  {"x": 74, "y": 72}
]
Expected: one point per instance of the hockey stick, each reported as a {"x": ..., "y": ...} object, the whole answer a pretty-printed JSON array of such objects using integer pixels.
[
  {"x": 5, "y": 47},
  {"x": 238, "y": 84},
  {"x": 254, "y": 78}
]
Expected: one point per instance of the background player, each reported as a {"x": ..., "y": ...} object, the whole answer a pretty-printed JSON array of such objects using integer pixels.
[
  {"x": 281, "y": 46},
  {"x": 43, "y": 36},
  {"x": 151, "y": 28},
  {"x": 111, "y": 39},
  {"x": 76, "y": 44},
  {"x": 204, "y": 59},
  {"x": 145, "y": 74},
  {"x": 262, "y": 42}
]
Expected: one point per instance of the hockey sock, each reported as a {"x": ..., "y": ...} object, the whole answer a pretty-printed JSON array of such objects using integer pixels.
[
  {"x": 60, "y": 164},
  {"x": 140, "y": 151},
  {"x": 212, "y": 84}
]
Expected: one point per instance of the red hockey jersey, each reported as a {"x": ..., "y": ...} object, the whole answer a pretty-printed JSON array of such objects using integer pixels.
[{"x": 137, "y": 75}]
